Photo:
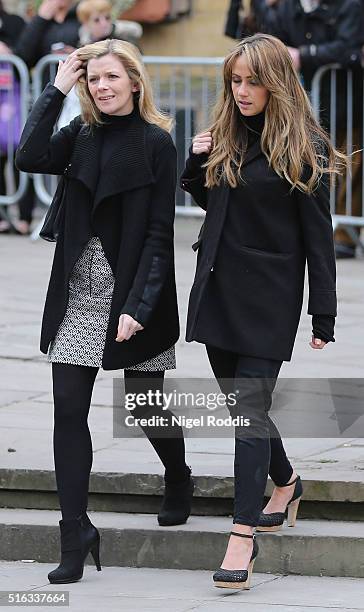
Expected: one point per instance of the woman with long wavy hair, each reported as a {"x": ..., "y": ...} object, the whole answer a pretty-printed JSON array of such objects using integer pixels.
[
  {"x": 261, "y": 171},
  {"x": 111, "y": 299}
]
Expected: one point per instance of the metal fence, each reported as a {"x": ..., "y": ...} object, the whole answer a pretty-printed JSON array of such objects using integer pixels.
[
  {"x": 187, "y": 87},
  {"x": 337, "y": 99},
  {"x": 14, "y": 101}
]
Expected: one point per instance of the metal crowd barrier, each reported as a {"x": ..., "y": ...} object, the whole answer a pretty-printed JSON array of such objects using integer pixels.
[
  {"x": 338, "y": 102},
  {"x": 185, "y": 87},
  {"x": 14, "y": 101}
]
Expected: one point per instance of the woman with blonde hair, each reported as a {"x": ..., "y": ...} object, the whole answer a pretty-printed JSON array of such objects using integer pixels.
[
  {"x": 111, "y": 299},
  {"x": 261, "y": 172}
]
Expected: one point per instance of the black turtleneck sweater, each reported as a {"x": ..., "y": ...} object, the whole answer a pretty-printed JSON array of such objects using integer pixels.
[
  {"x": 322, "y": 325},
  {"x": 113, "y": 126}
]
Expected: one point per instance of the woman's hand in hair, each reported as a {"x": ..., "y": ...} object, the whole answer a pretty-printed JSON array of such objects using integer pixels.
[
  {"x": 128, "y": 327},
  {"x": 68, "y": 73},
  {"x": 317, "y": 343},
  {"x": 202, "y": 143}
]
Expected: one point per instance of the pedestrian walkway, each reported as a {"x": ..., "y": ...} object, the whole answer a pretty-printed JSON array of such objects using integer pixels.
[
  {"x": 117, "y": 589},
  {"x": 25, "y": 385},
  {"x": 126, "y": 472}
]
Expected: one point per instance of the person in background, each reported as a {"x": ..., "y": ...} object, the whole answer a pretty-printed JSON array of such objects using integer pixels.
[
  {"x": 247, "y": 17},
  {"x": 97, "y": 23},
  {"x": 11, "y": 27},
  {"x": 54, "y": 29},
  {"x": 316, "y": 33}
]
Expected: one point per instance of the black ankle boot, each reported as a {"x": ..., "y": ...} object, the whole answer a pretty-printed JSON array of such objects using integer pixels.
[
  {"x": 78, "y": 538},
  {"x": 176, "y": 505}
]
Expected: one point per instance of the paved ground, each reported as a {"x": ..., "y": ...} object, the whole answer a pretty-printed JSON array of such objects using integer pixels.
[
  {"x": 25, "y": 387},
  {"x": 128, "y": 589},
  {"x": 26, "y": 423}
]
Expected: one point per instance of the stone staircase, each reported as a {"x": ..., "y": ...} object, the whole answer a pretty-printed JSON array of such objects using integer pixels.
[{"x": 328, "y": 539}]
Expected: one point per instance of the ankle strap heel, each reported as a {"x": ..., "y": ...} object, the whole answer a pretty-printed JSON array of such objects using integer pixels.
[
  {"x": 288, "y": 484},
  {"x": 243, "y": 535},
  {"x": 237, "y": 578}
]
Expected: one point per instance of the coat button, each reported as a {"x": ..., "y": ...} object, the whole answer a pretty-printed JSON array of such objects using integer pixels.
[{"x": 308, "y": 35}]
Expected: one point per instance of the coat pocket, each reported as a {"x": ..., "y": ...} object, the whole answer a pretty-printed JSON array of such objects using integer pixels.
[{"x": 265, "y": 253}]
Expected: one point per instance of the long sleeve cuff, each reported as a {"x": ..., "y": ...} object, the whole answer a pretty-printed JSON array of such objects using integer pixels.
[
  {"x": 323, "y": 327},
  {"x": 195, "y": 161}
]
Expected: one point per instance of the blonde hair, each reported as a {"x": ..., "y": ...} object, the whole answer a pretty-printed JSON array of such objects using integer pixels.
[
  {"x": 85, "y": 9},
  {"x": 132, "y": 61},
  {"x": 291, "y": 138}
]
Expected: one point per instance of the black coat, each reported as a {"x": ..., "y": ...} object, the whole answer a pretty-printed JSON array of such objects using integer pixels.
[
  {"x": 11, "y": 27},
  {"x": 40, "y": 34},
  {"x": 253, "y": 21},
  {"x": 255, "y": 287},
  {"x": 131, "y": 208},
  {"x": 330, "y": 34}
]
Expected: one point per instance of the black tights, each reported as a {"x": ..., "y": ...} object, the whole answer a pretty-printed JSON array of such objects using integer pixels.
[{"x": 72, "y": 391}]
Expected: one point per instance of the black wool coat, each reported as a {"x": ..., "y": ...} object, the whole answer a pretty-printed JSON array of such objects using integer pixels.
[
  {"x": 253, "y": 286},
  {"x": 131, "y": 207}
]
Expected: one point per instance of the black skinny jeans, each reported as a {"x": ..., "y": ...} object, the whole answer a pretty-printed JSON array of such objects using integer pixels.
[
  {"x": 72, "y": 391},
  {"x": 258, "y": 449}
]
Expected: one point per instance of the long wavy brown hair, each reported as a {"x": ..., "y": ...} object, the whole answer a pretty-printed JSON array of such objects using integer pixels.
[
  {"x": 132, "y": 61},
  {"x": 291, "y": 139}
]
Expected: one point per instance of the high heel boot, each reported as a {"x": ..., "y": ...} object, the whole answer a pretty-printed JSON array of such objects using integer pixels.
[
  {"x": 176, "y": 504},
  {"x": 273, "y": 521},
  {"x": 237, "y": 579},
  {"x": 78, "y": 537}
]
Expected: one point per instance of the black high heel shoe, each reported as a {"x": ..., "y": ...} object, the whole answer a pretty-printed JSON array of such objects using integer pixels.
[
  {"x": 79, "y": 537},
  {"x": 176, "y": 504},
  {"x": 273, "y": 521},
  {"x": 237, "y": 579}
]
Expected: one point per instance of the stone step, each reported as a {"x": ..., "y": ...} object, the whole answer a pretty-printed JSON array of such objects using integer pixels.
[
  {"x": 137, "y": 492},
  {"x": 311, "y": 548}
]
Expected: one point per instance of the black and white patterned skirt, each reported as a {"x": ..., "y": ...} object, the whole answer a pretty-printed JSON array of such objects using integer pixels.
[{"x": 80, "y": 339}]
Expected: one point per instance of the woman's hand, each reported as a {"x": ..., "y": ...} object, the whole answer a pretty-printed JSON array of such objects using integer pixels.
[
  {"x": 202, "y": 143},
  {"x": 48, "y": 9},
  {"x": 316, "y": 343},
  {"x": 68, "y": 73},
  {"x": 128, "y": 327}
]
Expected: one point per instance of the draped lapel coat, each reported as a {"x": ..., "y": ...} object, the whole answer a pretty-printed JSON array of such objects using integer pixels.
[
  {"x": 254, "y": 289},
  {"x": 130, "y": 206}
]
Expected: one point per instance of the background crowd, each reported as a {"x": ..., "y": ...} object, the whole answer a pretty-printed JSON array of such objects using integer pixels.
[{"x": 316, "y": 32}]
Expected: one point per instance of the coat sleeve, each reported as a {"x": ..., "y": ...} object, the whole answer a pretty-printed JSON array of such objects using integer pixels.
[
  {"x": 157, "y": 254},
  {"x": 232, "y": 26},
  {"x": 314, "y": 210},
  {"x": 40, "y": 150},
  {"x": 345, "y": 46},
  {"x": 193, "y": 178}
]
